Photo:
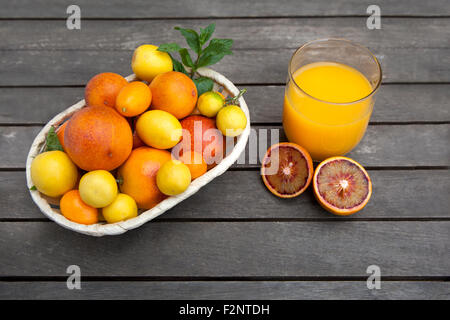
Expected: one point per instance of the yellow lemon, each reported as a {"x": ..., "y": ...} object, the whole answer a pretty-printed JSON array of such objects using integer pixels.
[
  {"x": 209, "y": 103},
  {"x": 231, "y": 121},
  {"x": 53, "y": 173},
  {"x": 98, "y": 188},
  {"x": 159, "y": 129},
  {"x": 173, "y": 177},
  {"x": 122, "y": 208},
  {"x": 148, "y": 62}
]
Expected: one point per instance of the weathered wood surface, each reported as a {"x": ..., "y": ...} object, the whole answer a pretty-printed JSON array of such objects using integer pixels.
[
  {"x": 229, "y": 290},
  {"x": 397, "y": 194},
  {"x": 259, "y": 66},
  {"x": 233, "y": 235},
  {"x": 231, "y": 249},
  {"x": 215, "y": 8},
  {"x": 394, "y": 103},
  {"x": 383, "y": 145},
  {"x": 108, "y": 45},
  {"x": 115, "y": 35}
]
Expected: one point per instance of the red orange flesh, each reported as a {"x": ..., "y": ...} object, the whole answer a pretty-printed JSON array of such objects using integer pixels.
[
  {"x": 287, "y": 169},
  {"x": 341, "y": 185}
]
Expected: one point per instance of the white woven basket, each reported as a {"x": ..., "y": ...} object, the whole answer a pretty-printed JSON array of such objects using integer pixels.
[{"x": 101, "y": 229}]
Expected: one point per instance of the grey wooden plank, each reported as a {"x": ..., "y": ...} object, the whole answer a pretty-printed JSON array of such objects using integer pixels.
[
  {"x": 382, "y": 145},
  {"x": 229, "y": 290},
  {"x": 389, "y": 145},
  {"x": 272, "y": 33},
  {"x": 17, "y": 140},
  {"x": 394, "y": 103},
  {"x": 231, "y": 249},
  {"x": 257, "y": 66},
  {"x": 397, "y": 194},
  {"x": 214, "y": 8}
]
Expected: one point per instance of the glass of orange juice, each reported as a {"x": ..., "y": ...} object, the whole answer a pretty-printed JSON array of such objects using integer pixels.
[{"x": 329, "y": 96}]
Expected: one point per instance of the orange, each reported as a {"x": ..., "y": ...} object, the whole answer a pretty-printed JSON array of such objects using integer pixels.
[
  {"x": 137, "y": 176},
  {"x": 195, "y": 162},
  {"x": 102, "y": 89},
  {"x": 341, "y": 185},
  {"x": 74, "y": 209},
  {"x": 201, "y": 135},
  {"x": 287, "y": 169},
  {"x": 98, "y": 138},
  {"x": 175, "y": 93},
  {"x": 60, "y": 133},
  {"x": 133, "y": 99}
]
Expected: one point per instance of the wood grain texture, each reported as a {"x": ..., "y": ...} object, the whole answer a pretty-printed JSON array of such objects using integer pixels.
[
  {"x": 417, "y": 194},
  {"x": 394, "y": 103},
  {"x": 114, "y": 35},
  {"x": 257, "y": 66},
  {"x": 229, "y": 290},
  {"x": 231, "y": 249},
  {"x": 383, "y": 145},
  {"x": 214, "y": 8}
]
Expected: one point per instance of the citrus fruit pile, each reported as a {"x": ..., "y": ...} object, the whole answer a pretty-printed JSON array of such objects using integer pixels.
[
  {"x": 341, "y": 185},
  {"x": 134, "y": 144}
]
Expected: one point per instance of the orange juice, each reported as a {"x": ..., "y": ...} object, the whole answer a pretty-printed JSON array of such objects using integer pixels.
[{"x": 323, "y": 110}]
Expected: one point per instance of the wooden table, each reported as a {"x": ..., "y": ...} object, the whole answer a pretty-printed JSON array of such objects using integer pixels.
[{"x": 234, "y": 239}]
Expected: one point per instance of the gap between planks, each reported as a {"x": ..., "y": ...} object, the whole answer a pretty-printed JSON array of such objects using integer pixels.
[
  {"x": 224, "y": 279},
  {"x": 268, "y": 220},
  {"x": 212, "y": 17}
]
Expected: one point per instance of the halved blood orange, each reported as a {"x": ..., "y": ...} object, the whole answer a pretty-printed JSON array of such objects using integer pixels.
[
  {"x": 341, "y": 185},
  {"x": 287, "y": 169}
]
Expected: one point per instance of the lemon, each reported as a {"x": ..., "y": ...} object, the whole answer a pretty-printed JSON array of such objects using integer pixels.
[
  {"x": 122, "y": 208},
  {"x": 148, "y": 62},
  {"x": 98, "y": 188},
  {"x": 209, "y": 103},
  {"x": 173, "y": 177},
  {"x": 159, "y": 129},
  {"x": 231, "y": 121},
  {"x": 53, "y": 173}
]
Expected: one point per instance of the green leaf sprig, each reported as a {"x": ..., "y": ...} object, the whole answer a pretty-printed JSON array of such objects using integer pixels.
[
  {"x": 205, "y": 55},
  {"x": 52, "y": 142}
]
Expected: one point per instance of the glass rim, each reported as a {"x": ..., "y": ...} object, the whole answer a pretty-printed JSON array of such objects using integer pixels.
[{"x": 374, "y": 90}]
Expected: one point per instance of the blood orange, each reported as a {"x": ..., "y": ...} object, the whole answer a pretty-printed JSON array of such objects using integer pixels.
[
  {"x": 341, "y": 185},
  {"x": 287, "y": 169}
]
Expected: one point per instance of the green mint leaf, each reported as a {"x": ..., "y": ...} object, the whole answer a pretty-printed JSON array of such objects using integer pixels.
[
  {"x": 208, "y": 60},
  {"x": 178, "y": 66},
  {"x": 215, "y": 51},
  {"x": 206, "y": 33},
  {"x": 203, "y": 85},
  {"x": 169, "y": 47},
  {"x": 192, "y": 38},
  {"x": 33, "y": 188},
  {"x": 218, "y": 46},
  {"x": 186, "y": 58},
  {"x": 52, "y": 141}
]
